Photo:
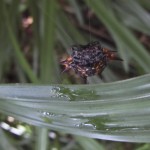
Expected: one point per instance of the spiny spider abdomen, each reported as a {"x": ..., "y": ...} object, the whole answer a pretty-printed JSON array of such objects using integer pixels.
[{"x": 88, "y": 60}]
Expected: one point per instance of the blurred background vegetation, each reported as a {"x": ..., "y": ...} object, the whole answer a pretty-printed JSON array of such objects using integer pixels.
[{"x": 36, "y": 34}]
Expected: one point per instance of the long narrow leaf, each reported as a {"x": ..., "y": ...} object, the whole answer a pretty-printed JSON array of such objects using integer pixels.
[
  {"x": 47, "y": 53},
  {"x": 113, "y": 111}
]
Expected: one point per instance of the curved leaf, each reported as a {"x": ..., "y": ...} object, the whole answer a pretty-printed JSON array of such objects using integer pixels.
[{"x": 113, "y": 111}]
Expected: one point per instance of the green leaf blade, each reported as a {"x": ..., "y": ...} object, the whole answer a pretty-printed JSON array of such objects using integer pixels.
[{"x": 114, "y": 111}]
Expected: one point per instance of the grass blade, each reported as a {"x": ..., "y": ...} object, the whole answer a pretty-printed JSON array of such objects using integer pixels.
[
  {"x": 47, "y": 53},
  {"x": 106, "y": 111}
]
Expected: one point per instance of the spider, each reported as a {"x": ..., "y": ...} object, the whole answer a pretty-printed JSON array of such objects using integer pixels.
[{"x": 89, "y": 60}]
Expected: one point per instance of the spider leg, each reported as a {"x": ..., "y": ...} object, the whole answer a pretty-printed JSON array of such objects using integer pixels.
[
  {"x": 67, "y": 64},
  {"x": 111, "y": 54},
  {"x": 84, "y": 80},
  {"x": 66, "y": 69},
  {"x": 99, "y": 67}
]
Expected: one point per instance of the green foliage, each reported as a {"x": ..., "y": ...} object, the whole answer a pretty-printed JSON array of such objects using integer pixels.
[
  {"x": 117, "y": 111},
  {"x": 113, "y": 114}
]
